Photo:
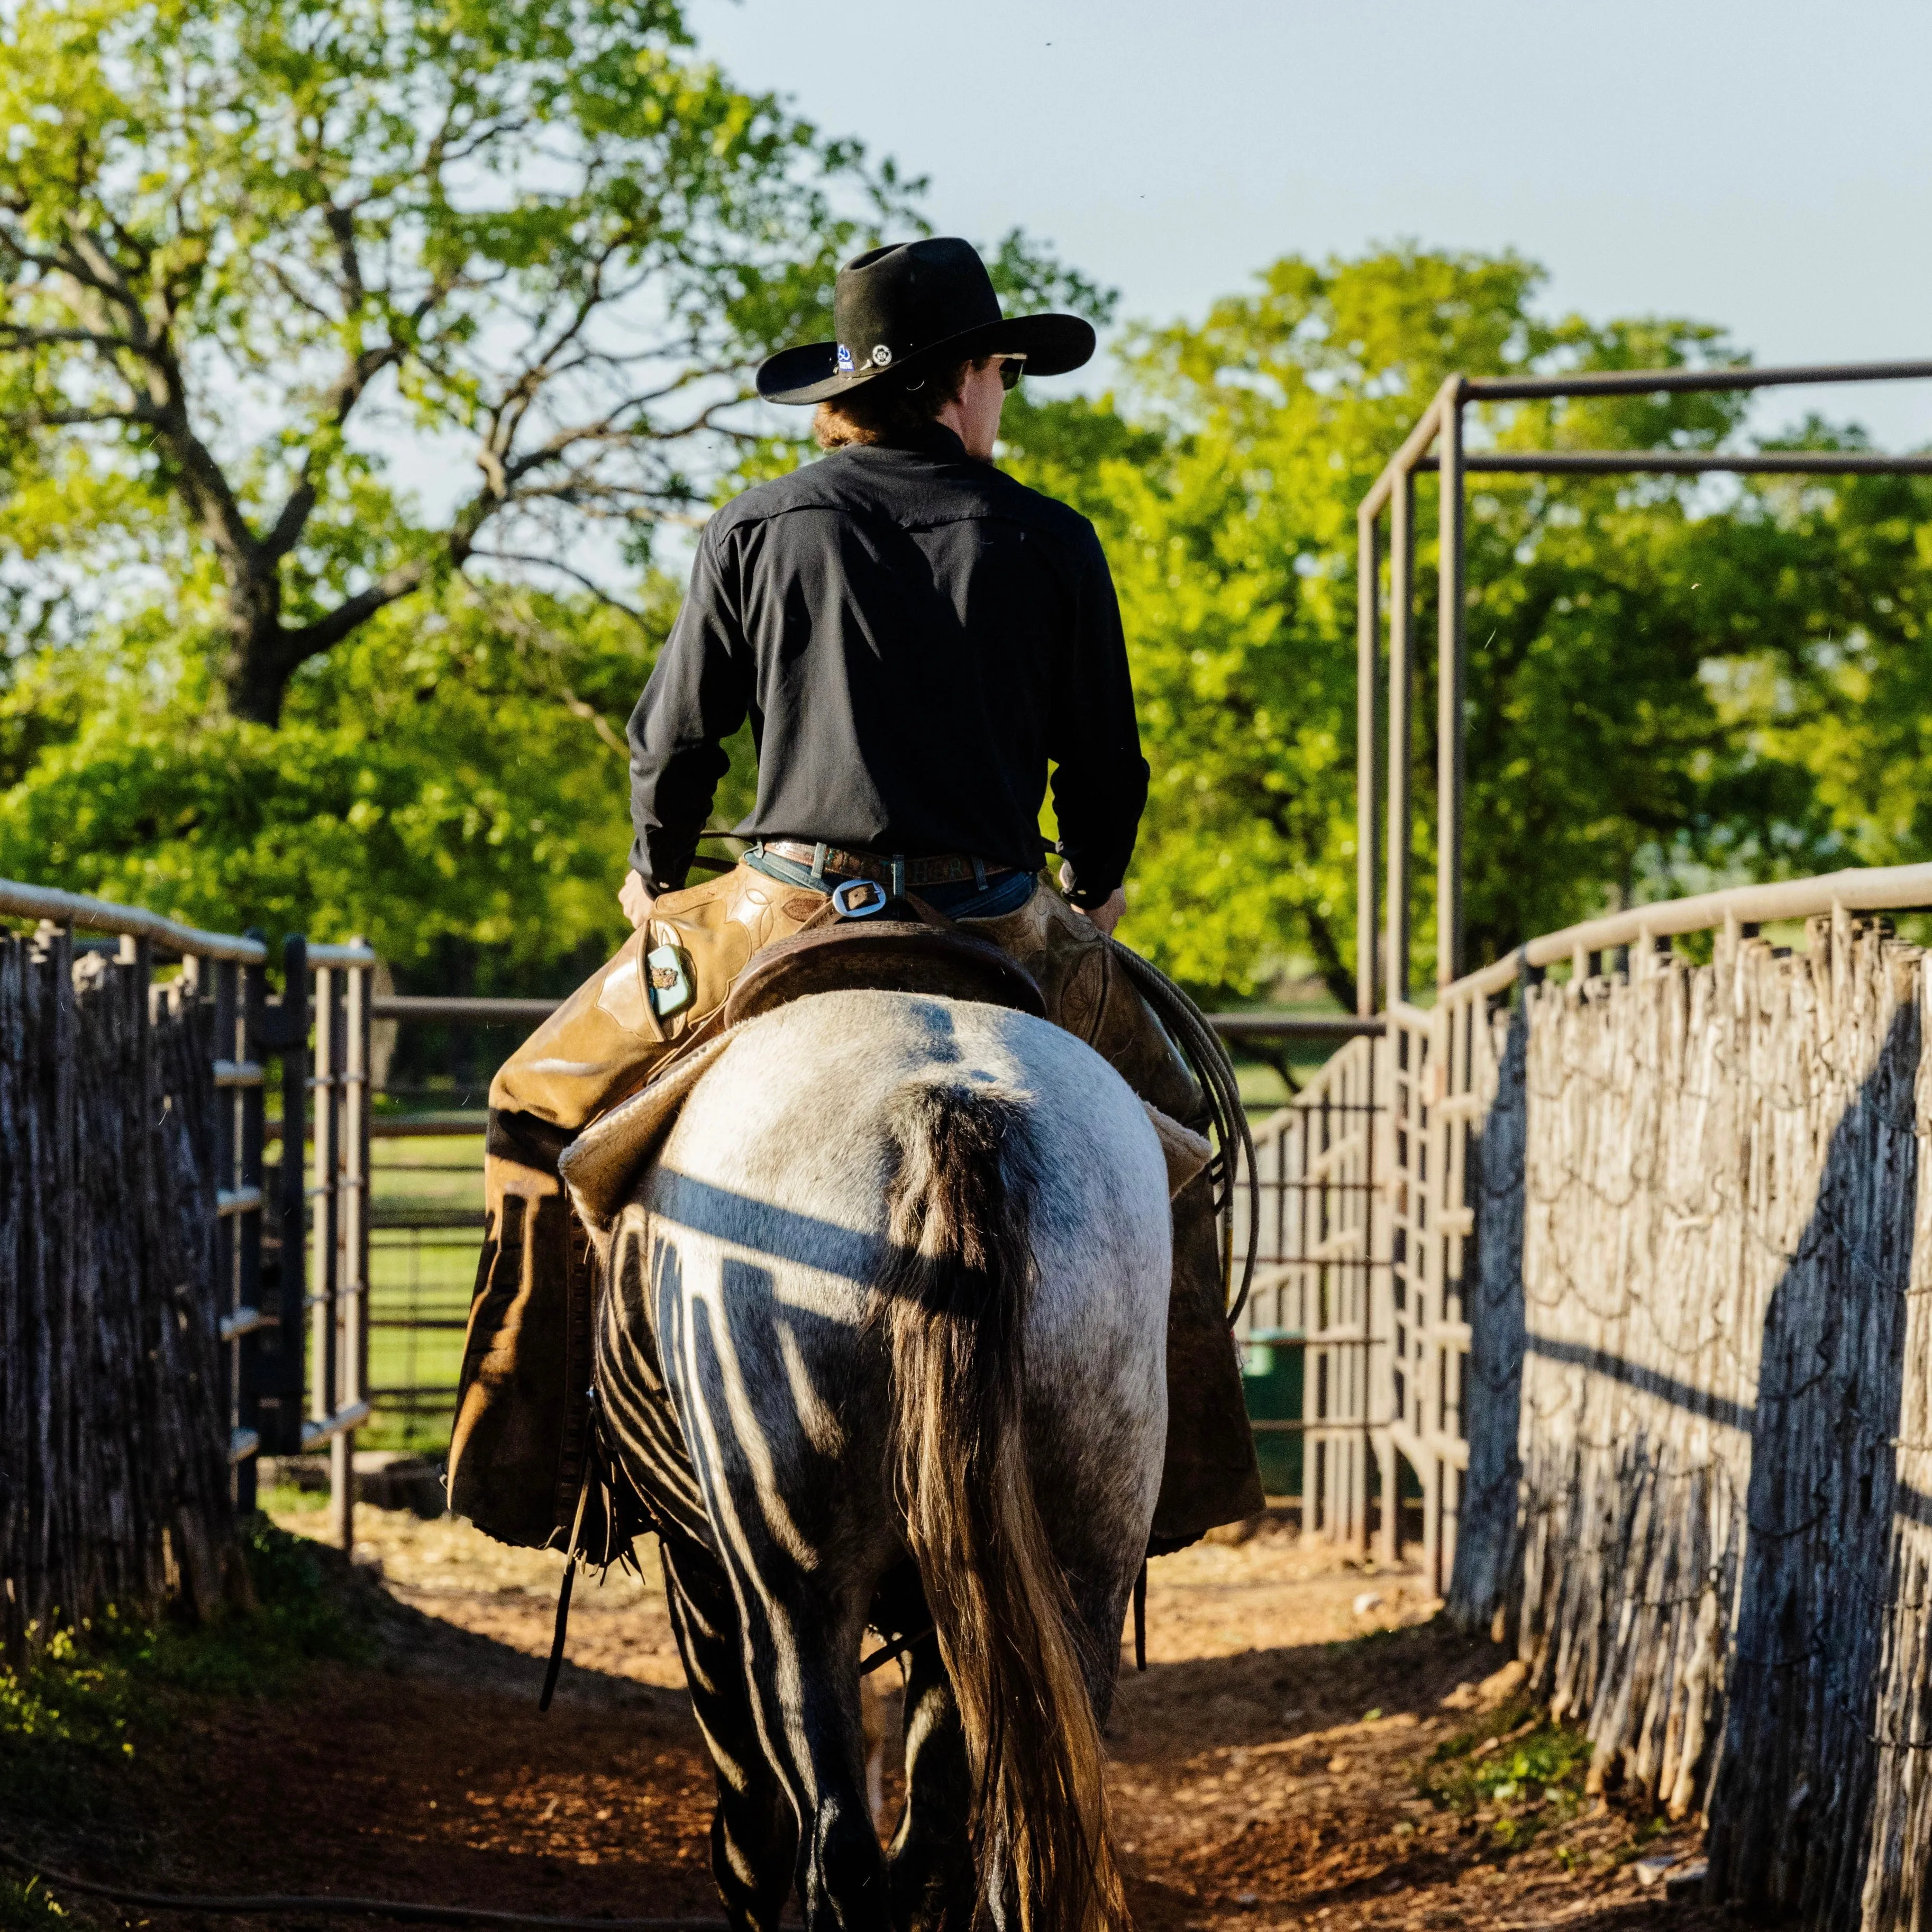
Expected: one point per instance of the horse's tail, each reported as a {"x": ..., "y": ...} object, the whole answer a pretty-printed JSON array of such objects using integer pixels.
[{"x": 954, "y": 1305}]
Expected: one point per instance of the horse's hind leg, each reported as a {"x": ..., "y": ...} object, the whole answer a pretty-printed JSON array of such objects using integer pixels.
[
  {"x": 753, "y": 1835},
  {"x": 807, "y": 1664},
  {"x": 932, "y": 1871}
]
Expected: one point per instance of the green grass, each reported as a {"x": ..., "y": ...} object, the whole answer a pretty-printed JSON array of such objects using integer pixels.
[
  {"x": 419, "y": 1274},
  {"x": 26, "y": 1907},
  {"x": 87, "y": 1697},
  {"x": 1513, "y": 1773},
  {"x": 285, "y": 1499}
]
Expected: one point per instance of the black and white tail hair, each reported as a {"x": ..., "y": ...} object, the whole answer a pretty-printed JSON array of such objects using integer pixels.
[{"x": 954, "y": 1302}]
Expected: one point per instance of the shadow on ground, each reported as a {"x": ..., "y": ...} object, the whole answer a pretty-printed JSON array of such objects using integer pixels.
[
  {"x": 1265, "y": 1767},
  {"x": 1283, "y": 1786},
  {"x": 430, "y": 1777}
]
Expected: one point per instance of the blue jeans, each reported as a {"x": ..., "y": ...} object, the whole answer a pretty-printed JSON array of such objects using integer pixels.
[{"x": 961, "y": 898}]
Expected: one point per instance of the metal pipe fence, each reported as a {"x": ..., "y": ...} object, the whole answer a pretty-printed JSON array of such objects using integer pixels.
[
  {"x": 1437, "y": 444},
  {"x": 425, "y": 1235},
  {"x": 1367, "y": 1175}
]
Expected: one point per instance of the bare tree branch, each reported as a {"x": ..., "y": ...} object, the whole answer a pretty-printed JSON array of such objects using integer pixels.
[
  {"x": 18, "y": 335},
  {"x": 286, "y": 282},
  {"x": 589, "y": 583},
  {"x": 298, "y": 646},
  {"x": 81, "y": 418},
  {"x": 341, "y": 224},
  {"x": 293, "y": 519},
  {"x": 595, "y": 719},
  {"x": 91, "y": 263}
]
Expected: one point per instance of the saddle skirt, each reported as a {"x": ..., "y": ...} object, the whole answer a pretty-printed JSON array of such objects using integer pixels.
[
  {"x": 888, "y": 955},
  {"x": 600, "y": 1166}
]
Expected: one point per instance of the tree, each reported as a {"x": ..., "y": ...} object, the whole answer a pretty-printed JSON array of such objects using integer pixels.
[
  {"x": 1654, "y": 679},
  {"x": 543, "y": 241},
  {"x": 451, "y": 781},
  {"x": 265, "y": 268}
]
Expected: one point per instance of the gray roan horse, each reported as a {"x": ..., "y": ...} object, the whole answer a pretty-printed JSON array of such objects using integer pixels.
[{"x": 885, "y": 1344}]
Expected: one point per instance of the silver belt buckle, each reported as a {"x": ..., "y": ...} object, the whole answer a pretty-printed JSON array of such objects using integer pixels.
[{"x": 851, "y": 900}]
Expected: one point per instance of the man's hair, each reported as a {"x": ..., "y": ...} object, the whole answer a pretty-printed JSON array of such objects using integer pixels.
[{"x": 878, "y": 411}]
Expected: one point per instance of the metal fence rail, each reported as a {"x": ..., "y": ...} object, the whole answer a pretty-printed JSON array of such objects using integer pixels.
[
  {"x": 1430, "y": 1083},
  {"x": 1321, "y": 1255},
  {"x": 416, "y": 1322}
]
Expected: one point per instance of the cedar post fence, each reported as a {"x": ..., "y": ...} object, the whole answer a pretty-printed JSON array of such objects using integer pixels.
[
  {"x": 1641, "y": 1268},
  {"x": 1623, "y": 1288},
  {"x": 155, "y": 1311}
]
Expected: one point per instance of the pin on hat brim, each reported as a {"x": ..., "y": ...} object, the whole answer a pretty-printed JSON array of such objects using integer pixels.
[{"x": 1052, "y": 345}]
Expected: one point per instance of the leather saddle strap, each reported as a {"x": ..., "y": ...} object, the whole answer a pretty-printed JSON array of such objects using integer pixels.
[
  {"x": 556, "y": 1663},
  {"x": 931, "y": 915}
]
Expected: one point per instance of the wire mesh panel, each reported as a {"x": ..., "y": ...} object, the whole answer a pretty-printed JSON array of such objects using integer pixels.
[
  {"x": 424, "y": 1238},
  {"x": 1320, "y": 1280}
]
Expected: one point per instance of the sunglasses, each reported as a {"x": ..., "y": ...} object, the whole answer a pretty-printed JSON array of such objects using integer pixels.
[{"x": 1012, "y": 368}]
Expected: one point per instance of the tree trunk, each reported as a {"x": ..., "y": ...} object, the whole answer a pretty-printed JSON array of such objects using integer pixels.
[{"x": 256, "y": 672}]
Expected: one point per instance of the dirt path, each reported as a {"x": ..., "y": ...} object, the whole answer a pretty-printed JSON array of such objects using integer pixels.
[{"x": 1266, "y": 1766}]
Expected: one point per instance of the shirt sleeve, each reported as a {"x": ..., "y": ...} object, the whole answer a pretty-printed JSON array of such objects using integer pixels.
[
  {"x": 695, "y": 697},
  {"x": 1100, "y": 786}
]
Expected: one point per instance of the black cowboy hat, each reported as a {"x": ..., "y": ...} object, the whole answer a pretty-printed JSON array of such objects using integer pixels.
[{"x": 911, "y": 306}]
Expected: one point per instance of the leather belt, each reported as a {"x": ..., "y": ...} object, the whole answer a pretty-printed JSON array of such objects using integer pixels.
[{"x": 947, "y": 868}]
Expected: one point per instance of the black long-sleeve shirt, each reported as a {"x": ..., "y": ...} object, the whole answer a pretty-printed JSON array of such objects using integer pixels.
[{"x": 915, "y": 637}]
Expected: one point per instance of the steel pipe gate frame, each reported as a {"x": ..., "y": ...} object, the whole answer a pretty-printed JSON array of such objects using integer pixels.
[
  {"x": 1365, "y": 1218},
  {"x": 1437, "y": 444}
]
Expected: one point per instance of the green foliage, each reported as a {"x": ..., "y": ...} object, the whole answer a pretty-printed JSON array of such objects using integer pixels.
[
  {"x": 250, "y": 680},
  {"x": 1659, "y": 693},
  {"x": 25, "y": 1907},
  {"x": 249, "y": 253},
  {"x": 1513, "y": 1772},
  {"x": 548, "y": 237},
  {"x": 85, "y": 1696},
  {"x": 457, "y": 775}
]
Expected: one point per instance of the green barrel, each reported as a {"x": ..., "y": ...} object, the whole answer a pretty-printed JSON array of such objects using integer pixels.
[{"x": 1271, "y": 1374}]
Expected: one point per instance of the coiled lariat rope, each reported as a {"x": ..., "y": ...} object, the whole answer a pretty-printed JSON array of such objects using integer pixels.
[{"x": 1200, "y": 1047}]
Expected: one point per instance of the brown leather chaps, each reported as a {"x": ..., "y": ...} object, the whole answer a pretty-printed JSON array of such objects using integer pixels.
[{"x": 518, "y": 1451}]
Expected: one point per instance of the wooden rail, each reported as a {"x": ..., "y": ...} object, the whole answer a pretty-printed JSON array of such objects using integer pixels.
[{"x": 244, "y": 1284}]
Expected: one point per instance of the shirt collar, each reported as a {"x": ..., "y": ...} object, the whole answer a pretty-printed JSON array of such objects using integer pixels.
[{"x": 929, "y": 440}]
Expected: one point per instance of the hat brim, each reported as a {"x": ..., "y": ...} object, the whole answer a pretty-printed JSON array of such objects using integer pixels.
[{"x": 1052, "y": 345}]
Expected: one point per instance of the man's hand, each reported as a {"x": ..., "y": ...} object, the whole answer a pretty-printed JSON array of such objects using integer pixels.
[
  {"x": 1106, "y": 916},
  {"x": 634, "y": 896}
]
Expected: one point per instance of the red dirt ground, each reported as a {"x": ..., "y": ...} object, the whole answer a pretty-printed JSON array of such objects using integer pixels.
[{"x": 1264, "y": 1768}]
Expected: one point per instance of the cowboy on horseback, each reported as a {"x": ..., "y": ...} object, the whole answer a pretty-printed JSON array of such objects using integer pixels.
[{"x": 917, "y": 639}]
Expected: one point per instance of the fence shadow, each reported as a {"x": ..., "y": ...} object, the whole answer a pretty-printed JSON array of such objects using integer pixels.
[
  {"x": 1487, "y": 1540},
  {"x": 1695, "y": 1322},
  {"x": 1791, "y": 1805}
]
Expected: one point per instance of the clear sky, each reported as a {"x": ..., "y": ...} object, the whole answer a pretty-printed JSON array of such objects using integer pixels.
[{"x": 1764, "y": 164}]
